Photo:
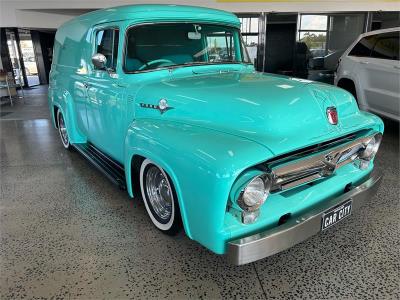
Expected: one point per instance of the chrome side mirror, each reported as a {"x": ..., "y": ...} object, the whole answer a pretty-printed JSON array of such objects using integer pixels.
[{"x": 99, "y": 61}]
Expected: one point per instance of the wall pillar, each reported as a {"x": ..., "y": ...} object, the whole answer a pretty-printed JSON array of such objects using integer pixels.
[{"x": 4, "y": 53}]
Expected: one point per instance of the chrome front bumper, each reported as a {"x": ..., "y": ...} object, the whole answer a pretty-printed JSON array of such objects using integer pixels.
[{"x": 296, "y": 230}]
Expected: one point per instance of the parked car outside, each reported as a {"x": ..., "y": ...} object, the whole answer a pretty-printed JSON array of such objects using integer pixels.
[
  {"x": 248, "y": 163},
  {"x": 370, "y": 70}
]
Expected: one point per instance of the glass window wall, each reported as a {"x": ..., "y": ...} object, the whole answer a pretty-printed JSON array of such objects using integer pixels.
[
  {"x": 28, "y": 56},
  {"x": 321, "y": 40},
  {"x": 14, "y": 57},
  {"x": 250, "y": 30}
]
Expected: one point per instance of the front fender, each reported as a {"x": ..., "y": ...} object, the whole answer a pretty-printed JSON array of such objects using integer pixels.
[{"x": 203, "y": 165}]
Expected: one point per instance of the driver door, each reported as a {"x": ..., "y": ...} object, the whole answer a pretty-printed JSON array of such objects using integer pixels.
[{"x": 106, "y": 107}]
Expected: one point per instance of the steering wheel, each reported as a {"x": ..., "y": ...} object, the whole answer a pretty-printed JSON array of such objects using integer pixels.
[{"x": 156, "y": 61}]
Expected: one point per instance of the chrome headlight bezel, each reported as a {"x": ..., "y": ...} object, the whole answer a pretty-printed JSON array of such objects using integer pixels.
[
  {"x": 371, "y": 148},
  {"x": 262, "y": 183}
]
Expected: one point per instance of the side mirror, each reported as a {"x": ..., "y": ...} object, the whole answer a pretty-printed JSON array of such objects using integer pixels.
[{"x": 99, "y": 61}]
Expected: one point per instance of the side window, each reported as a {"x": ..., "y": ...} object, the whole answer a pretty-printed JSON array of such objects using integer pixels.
[
  {"x": 107, "y": 44},
  {"x": 364, "y": 46},
  {"x": 387, "y": 48}
]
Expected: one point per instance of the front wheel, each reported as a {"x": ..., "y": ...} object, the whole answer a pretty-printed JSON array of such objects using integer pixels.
[
  {"x": 159, "y": 198},
  {"x": 62, "y": 129}
]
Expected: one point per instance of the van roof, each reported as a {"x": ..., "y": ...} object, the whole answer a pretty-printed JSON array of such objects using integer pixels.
[{"x": 158, "y": 12}]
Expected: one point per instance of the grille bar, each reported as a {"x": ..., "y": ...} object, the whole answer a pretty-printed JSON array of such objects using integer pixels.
[
  {"x": 300, "y": 170},
  {"x": 303, "y": 152}
]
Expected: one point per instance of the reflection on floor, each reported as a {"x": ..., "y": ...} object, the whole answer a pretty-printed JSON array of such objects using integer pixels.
[
  {"x": 67, "y": 232},
  {"x": 32, "y": 106},
  {"x": 33, "y": 80}
]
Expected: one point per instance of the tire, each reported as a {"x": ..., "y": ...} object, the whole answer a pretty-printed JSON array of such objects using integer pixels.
[
  {"x": 62, "y": 130},
  {"x": 160, "y": 198}
]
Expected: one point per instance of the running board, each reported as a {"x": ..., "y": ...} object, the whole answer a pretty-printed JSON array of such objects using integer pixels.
[{"x": 109, "y": 167}]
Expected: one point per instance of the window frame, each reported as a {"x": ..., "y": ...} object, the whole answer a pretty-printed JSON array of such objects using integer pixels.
[
  {"x": 384, "y": 38},
  {"x": 250, "y": 33},
  {"x": 326, "y": 31},
  {"x": 356, "y": 44},
  {"x": 230, "y": 44},
  {"x": 125, "y": 45},
  {"x": 379, "y": 37},
  {"x": 94, "y": 44}
]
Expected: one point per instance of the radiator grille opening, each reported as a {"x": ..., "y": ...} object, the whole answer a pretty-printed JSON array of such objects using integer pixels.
[{"x": 281, "y": 159}]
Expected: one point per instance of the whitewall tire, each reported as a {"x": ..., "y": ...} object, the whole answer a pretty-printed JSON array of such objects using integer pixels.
[
  {"x": 62, "y": 129},
  {"x": 159, "y": 197}
]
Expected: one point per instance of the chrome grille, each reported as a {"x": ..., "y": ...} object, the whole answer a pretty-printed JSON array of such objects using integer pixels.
[
  {"x": 301, "y": 153},
  {"x": 302, "y": 168}
]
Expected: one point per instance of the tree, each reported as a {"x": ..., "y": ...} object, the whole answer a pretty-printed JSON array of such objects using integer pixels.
[{"x": 313, "y": 40}]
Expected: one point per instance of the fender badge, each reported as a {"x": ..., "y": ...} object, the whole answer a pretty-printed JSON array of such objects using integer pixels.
[
  {"x": 162, "y": 106},
  {"x": 332, "y": 115}
]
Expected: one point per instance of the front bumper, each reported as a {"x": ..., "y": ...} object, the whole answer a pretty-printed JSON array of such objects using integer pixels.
[{"x": 296, "y": 230}]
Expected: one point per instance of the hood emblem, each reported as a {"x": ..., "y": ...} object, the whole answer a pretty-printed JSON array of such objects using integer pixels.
[
  {"x": 162, "y": 106},
  {"x": 332, "y": 115}
]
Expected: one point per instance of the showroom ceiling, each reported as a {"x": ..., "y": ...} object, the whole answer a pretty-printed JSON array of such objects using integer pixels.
[{"x": 51, "y": 14}]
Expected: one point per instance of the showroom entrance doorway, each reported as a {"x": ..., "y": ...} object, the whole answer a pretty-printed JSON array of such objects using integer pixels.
[
  {"x": 28, "y": 57},
  {"x": 280, "y": 43}
]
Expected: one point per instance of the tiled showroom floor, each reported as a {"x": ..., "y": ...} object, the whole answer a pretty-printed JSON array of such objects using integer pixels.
[{"x": 67, "y": 232}]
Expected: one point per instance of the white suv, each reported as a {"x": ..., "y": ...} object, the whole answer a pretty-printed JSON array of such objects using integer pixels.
[{"x": 370, "y": 70}]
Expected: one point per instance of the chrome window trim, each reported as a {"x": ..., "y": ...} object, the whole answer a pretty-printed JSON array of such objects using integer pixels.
[{"x": 181, "y": 65}]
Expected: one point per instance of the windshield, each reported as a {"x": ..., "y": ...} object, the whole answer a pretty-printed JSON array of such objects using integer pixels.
[{"x": 155, "y": 46}]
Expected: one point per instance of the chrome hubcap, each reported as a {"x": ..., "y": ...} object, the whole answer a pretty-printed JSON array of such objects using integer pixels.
[
  {"x": 63, "y": 130},
  {"x": 159, "y": 193}
]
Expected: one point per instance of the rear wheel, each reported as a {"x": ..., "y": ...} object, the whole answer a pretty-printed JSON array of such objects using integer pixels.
[
  {"x": 159, "y": 198},
  {"x": 62, "y": 129}
]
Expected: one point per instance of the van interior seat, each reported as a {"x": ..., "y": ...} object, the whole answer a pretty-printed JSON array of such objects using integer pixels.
[{"x": 132, "y": 64}]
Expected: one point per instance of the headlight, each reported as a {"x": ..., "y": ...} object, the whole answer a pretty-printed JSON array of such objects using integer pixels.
[
  {"x": 372, "y": 147},
  {"x": 255, "y": 193}
]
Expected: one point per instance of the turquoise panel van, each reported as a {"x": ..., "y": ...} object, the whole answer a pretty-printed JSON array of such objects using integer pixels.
[{"x": 164, "y": 101}]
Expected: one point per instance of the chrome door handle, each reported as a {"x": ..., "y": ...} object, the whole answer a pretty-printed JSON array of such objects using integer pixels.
[
  {"x": 364, "y": 62},
  {"x": 396, "y": 67}
]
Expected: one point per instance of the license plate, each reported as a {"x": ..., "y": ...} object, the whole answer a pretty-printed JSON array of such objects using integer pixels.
[{"x": 336, "y": 214}]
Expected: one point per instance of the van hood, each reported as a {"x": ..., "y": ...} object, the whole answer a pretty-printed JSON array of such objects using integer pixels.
[{"x": 281, "y": 113}]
